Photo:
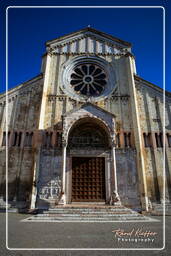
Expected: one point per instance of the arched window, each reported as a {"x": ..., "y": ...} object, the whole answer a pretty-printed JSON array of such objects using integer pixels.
[
  {"x": 118, "y": 144},
  {"x": 28, "y": 139},
  {"x": 168, "y": 139},
  {"x": 15, "y": 139},
  {"x": 47, "y": 139},
  {"x": 127, "y": 139},
  {"x": 147, "y": 139},
  {"x": 19, "y": 139},
  {"x": 59, "y": 139},
  {"x": 159, "y": 140},
  {"x": 4, "y": 139}
]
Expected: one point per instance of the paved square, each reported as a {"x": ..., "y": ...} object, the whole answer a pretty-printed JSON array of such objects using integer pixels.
[{"x": 82, "y": 235}]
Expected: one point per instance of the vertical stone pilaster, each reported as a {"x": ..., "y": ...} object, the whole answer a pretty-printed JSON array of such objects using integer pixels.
[
  {"x": 122, "y": 139},
  {"x": 22, "y": 139},
  {"x": 54, "y": 137},
  {"x": 132, "y": 139},
  {"x": 45, "y": 92},
  {"x": 153, "y": 140},
  {"x": 138, "y": 135},
  {"x": 35, "y": 179},
  {"x": 63, "y": 198},
  {"x": 10, "y": 141},
  {"x": 115, "y": 195}
]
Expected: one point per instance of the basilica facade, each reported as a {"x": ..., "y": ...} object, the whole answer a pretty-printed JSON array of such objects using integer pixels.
[{"x": 87, "y": 129}]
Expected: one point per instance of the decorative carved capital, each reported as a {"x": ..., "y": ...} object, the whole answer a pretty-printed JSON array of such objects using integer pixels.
[
  {"x": 64, "y": 142},
  {"x": 113, "y": 142}
]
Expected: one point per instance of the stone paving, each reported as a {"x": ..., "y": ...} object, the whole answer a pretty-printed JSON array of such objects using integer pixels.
[{"x": 79, "y": 235}]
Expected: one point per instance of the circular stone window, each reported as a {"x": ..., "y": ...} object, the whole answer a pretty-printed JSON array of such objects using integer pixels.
[{"x": 88, "y": 79}]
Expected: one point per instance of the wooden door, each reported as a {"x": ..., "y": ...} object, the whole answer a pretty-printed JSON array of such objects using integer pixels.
[{"x": 88, "y": 179}]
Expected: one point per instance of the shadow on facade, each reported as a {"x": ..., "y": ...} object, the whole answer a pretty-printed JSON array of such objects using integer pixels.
[{"x": 18, "y": 194}]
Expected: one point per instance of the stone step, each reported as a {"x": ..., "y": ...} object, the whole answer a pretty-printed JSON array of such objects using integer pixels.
[
  {"x": 88, "y": 214},
  {"x": 89, "y": 209},
  {"x": 88, "y": 219},
  {"x": 85, "y": 214}
]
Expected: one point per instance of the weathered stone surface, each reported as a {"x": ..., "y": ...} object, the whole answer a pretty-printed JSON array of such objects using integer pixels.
[{"x": 40, "y": 116}]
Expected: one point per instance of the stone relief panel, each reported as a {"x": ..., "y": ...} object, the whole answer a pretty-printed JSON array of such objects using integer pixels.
[
  {"x": 49, "y": 182},
  {"x": 127, "y": 177},
  {"x": 50, "y": 190}
]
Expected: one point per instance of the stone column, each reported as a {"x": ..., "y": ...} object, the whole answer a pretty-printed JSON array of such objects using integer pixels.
[
  {"x": 114, "y": 195},
  {"x": 63, "y": 197}
]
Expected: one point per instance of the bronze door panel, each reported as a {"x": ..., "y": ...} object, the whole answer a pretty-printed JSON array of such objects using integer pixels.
[{"x": 88, "y": 179}]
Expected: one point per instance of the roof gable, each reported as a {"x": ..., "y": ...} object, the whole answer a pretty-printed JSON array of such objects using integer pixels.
[
  {"x": 88, "y": 40},
  {"x": 87, "y": 107}
]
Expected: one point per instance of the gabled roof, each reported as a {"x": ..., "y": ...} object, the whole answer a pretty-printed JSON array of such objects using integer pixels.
[
  {"x": 85, "y": 105},
  {"x": 92, "y": 30}
]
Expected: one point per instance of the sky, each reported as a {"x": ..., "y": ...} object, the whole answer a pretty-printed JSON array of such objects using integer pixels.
[{"x": 30, "y": 28}]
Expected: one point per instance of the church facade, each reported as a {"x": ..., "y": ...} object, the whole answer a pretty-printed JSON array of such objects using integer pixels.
[{"x": 86, "y": 130}]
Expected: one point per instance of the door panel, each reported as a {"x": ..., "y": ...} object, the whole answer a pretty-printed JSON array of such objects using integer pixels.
[{"x": 88, "y": 179}]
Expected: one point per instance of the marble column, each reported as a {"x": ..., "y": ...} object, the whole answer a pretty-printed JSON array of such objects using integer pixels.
[
  {"x": 115, "y": 196},
  {"x": 63, "y": 197}
]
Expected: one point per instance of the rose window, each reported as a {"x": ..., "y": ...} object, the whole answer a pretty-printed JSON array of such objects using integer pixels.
[{"x": 88, "y": 79}]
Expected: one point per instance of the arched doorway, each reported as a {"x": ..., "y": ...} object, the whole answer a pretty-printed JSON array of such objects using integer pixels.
[{"x": 88, "y": 150}]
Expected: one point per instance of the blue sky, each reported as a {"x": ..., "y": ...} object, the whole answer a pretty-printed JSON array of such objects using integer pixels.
[{"x": 29, "y": 29}]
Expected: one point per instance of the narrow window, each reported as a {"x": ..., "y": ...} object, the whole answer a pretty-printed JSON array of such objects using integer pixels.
[
  {"x": 45, "y": 141},
  {"x": 169, "y": 139},
  {"x": 26, "y": 139},
  {"x": 59, "y": 139},
  {"x": 159, "y": 140},
  {"x": 118, "y": 144},
  {"x": 49, "y": 139},
  {"x": 147, "y": 140},
  {"x": 15, "y": 139},
  {"x": 125, "y": 140},
  {"x": 30, "y": 139},
  {"x": 129, "y": 139},
  {"x": 9, "y": 133},
  {"x": 4, "y": 139},
  {"x": 19, "y": 139}
]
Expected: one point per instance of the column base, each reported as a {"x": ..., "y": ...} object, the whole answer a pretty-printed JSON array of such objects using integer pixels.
[
  {"x": 62, "y": 200},
  {"x": 146, "y": 203},
  {"x": 118, "y": 203},
  {"x": 115, "y": 199}
]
